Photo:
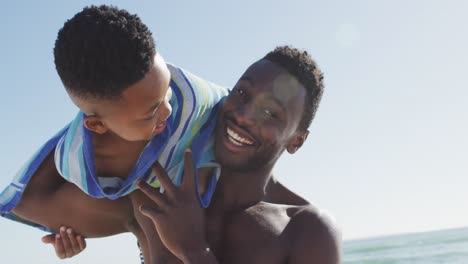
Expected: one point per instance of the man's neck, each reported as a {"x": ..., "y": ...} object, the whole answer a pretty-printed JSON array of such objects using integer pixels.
[{"x": 237, "y": 189}]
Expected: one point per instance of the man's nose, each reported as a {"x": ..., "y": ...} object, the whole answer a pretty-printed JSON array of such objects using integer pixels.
[{"x": 245, "y": 115}]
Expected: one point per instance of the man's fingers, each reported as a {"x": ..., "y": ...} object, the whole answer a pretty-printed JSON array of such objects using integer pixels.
[
  {"x": 81, "y": 242},
  {"x": 67, "y": 246},
  {"x": 75, "y": 247},
  {"x": 48, "y": 239},
  {"x": 151, "y": 213},
  {"x": 164, "y": 179},
  {"x": 59, "y": 248},
  {"x": 66, "y": 243},
  {"x": 152, "y": 193},
  {"x": 188, "y": 182}
]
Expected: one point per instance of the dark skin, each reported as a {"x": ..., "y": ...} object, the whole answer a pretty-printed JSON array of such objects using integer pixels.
[
  {"x": 266, "y": 232},
  {"x": 66, "y": 243},
  {"x": 53, "y": 205},
  {"x": 252, "y": 218},
  {"x": 65, "y": 204},
  {"x": 121, "y": 129}
]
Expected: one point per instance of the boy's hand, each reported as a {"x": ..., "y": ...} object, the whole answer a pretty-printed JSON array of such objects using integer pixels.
[
  {"x": 177, "y": 214},
  {"x": 67, "y": 244}
]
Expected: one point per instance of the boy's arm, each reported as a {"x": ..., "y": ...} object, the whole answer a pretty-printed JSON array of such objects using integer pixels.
[{"x": 51, "y": 201}]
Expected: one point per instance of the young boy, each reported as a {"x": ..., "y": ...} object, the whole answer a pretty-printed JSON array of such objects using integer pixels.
[{"x": 134, "y": 110}]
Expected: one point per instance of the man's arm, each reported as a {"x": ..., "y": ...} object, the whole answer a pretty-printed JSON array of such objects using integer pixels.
[
  {"x": 154, "y": 251},
  {"x": 177, "y": 215},
  {"x": 314, "y": 239},
  {"x": 51, "y": 201}
]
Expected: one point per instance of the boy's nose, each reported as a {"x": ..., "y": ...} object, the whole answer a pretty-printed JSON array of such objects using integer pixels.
[{"x": 166, "y": 111}]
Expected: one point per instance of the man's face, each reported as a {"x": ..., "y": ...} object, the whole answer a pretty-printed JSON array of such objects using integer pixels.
[
  {"x": 141, "y": 111},
  {"x": 260, "y": 118}
]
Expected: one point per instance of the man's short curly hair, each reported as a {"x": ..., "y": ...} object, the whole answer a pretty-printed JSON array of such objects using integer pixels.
[
  {"x": 305, "y": 69},
  {"x": 101, "y": 51}
]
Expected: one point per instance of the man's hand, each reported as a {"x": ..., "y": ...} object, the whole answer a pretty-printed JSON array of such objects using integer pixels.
[
  {"x": 67, "y": 244},
  {"x": 177, "y": 214}
]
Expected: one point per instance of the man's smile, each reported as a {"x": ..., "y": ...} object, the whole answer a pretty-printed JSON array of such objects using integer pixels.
[{"x": 237, "y": 139}]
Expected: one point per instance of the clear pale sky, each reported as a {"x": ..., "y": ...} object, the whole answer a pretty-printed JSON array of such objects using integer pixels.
[{"x": 386, "y": 153}]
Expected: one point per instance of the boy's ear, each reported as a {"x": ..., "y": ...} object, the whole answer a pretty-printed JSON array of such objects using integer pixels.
[
  {"x": 95, "y": 124},
  {"x": 296, "y": 142}
]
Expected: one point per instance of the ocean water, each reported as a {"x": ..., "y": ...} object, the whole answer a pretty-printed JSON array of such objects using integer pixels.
[{"x": 446, "y": 246}]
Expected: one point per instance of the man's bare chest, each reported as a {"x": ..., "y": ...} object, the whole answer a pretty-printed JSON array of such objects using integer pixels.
[{"x": 250, "y": 237}]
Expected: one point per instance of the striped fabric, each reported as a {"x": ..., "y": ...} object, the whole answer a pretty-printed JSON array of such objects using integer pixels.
[{"x": 191, "y": 124}]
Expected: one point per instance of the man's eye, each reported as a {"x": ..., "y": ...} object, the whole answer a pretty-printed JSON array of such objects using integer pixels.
[
  {"x": 241, "y": 91},
  {"x": 269, "y": 113}
]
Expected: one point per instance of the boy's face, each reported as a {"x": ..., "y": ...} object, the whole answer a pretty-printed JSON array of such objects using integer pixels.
[{"x": 141, "y": 111}]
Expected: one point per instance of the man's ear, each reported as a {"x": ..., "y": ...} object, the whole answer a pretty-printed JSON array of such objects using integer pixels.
[
  {"x": 95, "y": 124},
  {"x": 296, "y": 142}
]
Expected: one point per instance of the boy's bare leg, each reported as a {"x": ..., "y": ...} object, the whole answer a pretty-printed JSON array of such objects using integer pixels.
[{"x": 51, "y": 201}]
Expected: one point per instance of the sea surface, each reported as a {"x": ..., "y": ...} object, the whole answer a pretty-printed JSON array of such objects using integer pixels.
[{"x": 446, "y": 246}]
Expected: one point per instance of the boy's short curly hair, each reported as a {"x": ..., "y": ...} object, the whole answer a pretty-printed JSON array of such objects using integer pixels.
[{"x": 101, "y": 51}]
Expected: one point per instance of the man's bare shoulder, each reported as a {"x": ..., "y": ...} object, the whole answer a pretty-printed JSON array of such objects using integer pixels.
[
  {"x": 313, "y": 235},
  {"x": 311, "y": 232},
  {"x": 279, "y": 194},
  {"x": 305, "y": 233}
]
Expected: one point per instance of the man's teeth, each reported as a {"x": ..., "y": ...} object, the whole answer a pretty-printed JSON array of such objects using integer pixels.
[{"x": 236, "y": 139}]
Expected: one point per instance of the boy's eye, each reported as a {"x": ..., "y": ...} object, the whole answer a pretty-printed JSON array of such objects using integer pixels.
[
  {"x": 150, "y": 117},
  {"x": 169, "y": 94}
]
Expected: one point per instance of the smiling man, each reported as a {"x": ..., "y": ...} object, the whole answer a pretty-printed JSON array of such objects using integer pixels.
[{"x": 252, "y": 218}]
